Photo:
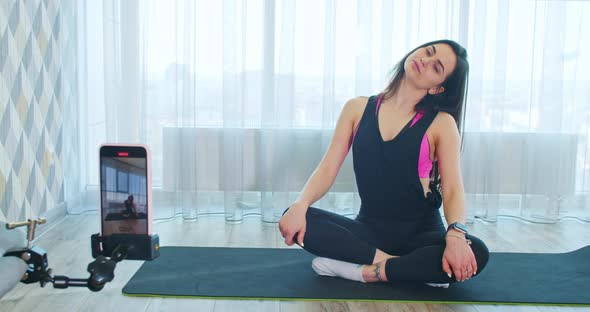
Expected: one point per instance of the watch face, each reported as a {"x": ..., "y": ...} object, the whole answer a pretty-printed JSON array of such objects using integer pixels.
[{"x": 460, "y": 227}]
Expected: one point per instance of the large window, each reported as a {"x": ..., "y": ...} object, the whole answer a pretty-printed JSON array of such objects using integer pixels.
[{"x": 293, "y": 64}]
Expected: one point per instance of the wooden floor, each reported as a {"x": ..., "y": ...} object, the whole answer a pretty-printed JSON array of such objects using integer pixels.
[{"x": 68, "y": 248}]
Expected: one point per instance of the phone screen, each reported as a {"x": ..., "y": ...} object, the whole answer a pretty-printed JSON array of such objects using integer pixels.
[{"x": 124, "y": 190}]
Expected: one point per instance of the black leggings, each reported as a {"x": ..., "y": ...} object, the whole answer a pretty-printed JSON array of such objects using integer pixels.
[{"x": 356, "y": 240}]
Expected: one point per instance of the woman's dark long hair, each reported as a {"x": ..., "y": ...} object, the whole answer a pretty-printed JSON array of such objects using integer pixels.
[{"x": 452, "y": 100}]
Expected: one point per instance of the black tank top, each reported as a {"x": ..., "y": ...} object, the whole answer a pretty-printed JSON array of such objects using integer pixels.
[{"x": 387, "y": 171}]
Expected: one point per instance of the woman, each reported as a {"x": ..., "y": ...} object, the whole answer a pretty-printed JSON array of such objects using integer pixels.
[
  {"x": 401, "y": 140},
  {"x": 130, "y": 210}
]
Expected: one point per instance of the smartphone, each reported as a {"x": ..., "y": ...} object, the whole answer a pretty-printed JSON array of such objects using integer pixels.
[{"x": 125, "y": 190}]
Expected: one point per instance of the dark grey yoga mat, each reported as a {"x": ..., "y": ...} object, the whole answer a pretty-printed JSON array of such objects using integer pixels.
[{"x": 286, "y": 274}]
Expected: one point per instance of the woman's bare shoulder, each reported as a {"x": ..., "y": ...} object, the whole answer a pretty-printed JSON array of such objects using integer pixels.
[
  {"x": 445, "y": 119},
  {"x": 356, "y": 104},
  {"x": 359, "y": 100},
  {"x": 354, "y": 108},
  {"x": 444, "y": 124}
]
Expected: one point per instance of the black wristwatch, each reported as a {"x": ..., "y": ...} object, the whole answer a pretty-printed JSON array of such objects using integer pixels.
[{"x": 459, "y": 227}]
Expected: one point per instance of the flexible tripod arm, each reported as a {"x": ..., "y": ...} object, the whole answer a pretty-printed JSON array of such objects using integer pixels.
[
  {"x": 107, "y": 251},
  {"x": 102, "y": 271}
]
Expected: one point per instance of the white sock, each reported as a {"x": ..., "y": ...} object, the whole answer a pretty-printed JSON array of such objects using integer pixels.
[
  {"x": 331, "y": 267},
  {"x": 441, "y": 285}
]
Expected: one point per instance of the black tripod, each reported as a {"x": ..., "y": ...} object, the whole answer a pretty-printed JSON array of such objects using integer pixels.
[{"x": 102, "y": 269}]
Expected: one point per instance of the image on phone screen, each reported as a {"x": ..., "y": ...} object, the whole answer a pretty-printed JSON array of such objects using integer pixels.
[{"x": 124, "y": 191}]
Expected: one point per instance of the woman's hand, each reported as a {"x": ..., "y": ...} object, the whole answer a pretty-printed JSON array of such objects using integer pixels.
[
  {"x": 293, "y": 223},
  {"x": 458, "y": 258}
]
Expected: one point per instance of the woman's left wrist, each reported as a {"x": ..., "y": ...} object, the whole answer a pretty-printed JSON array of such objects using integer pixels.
[
  {"x": 458, "y": 227},
  {"x": 457, "y": 232},
  {"x": 458, "y": 237}
]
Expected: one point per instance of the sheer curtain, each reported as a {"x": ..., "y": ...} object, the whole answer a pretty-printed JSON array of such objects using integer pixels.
[
  {"x": 238, "y": 99},
  {"x": 527, "y": 115}
]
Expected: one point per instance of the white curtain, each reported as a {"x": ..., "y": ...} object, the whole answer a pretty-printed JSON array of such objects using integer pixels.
[{"x": 238, "y": 99}]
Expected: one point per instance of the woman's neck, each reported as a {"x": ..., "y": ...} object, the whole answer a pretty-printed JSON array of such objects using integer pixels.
[{"x": 406, "y": 96}]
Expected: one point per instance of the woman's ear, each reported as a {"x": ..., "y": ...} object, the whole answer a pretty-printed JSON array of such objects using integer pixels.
[{"x": 436, "y": 90}]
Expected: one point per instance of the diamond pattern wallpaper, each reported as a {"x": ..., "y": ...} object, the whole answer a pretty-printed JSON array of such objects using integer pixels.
[{"x": 37, "y": 86}]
